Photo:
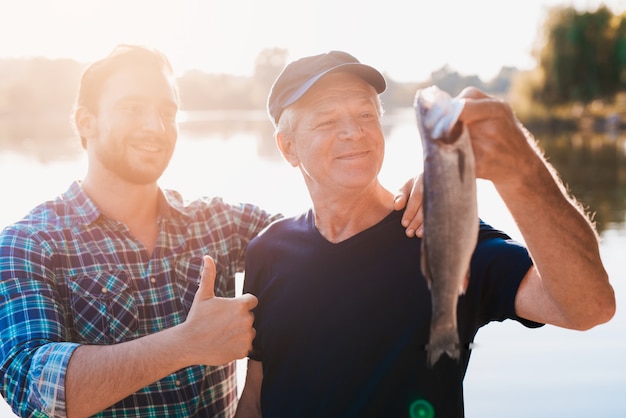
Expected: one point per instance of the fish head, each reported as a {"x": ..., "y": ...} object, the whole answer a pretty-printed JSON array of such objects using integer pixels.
[{"x": 437, "y": 115}]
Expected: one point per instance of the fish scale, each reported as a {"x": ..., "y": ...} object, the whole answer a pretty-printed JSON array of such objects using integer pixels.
[{"x": 450, "y": 213}]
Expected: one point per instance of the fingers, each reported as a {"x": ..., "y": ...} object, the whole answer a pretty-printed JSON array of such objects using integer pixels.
[
  {"x": 217, "y": 330},
  {"x": 481, "y": 107},
  {"x": 249, "y": 300},
  {"x": 231, "y": 333},
  {"x": 472, "y": 93},
  {"x": 413, "y": 216},
  {"x": 207, "y": 280},
  {"x": 400, "y": 200}
]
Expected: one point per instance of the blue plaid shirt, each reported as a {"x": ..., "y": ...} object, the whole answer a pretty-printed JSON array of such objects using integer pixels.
[{"x": 69, "y": 276}]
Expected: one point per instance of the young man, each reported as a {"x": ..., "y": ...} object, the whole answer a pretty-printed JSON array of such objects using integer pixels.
[
  {"x": 344, "y": 311},
  {"x": 101, "y": 309}
]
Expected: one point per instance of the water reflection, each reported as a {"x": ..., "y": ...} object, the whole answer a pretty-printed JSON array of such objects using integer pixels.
[{"x": 593, "y": 166}]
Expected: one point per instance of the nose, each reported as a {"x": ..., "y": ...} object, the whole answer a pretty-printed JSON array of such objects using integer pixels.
[
  {"x": 152, "y": 121},
  {"x": 350, "y": 128}
]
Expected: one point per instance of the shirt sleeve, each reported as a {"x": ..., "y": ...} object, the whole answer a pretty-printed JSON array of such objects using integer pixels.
[
  {"x": 501, "y": 264},
  {"x": 252, "y": 221},
  {"x": 33, "y": 356}
]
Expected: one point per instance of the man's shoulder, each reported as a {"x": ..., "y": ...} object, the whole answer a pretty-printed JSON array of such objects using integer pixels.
[
  {"x": 204, "y": 205},
  {"x": 46, "y": 215},
  {"x": 64, "y": 211},
  {"x": 41, "y": 225},
  {"x": 218, "y": 215},
  {"x": 285, "y": 227}
]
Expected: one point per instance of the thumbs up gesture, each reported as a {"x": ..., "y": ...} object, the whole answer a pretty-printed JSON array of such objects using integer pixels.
[
  {"x": 207, "y": 280},
  {"x": 218, "y": 330}
]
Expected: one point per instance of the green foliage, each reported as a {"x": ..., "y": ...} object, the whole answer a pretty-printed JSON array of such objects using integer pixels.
[{"x": 582, "y": 56}]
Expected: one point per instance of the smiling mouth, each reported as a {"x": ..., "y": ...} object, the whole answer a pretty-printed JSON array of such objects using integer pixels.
[
  {"x": 353, "y": 155},
  {"x": 147, "y": 147}
]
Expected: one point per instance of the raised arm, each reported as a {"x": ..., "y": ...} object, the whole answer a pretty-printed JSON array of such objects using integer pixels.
[{"x": 568, "y": 285}]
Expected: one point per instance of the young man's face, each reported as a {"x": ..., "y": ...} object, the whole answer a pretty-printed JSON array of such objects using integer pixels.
[{"x": 135, "y": 125}]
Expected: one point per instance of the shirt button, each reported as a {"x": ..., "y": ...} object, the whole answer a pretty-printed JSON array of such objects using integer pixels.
[
  {"x": 152, "y": 280},
  {"x": 105, "y": 290},
  {"x": 178, "y": 383}
]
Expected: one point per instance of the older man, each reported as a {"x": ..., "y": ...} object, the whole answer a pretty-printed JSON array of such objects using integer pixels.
[{"x": 344, "y": 311}]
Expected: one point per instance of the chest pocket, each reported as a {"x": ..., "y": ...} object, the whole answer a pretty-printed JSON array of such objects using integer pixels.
[
  {"x": 104, "y": 307},
  {"x": 188, "y": 273}
]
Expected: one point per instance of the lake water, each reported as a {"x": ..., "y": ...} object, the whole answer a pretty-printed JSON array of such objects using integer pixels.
[{"x": 514, "y": 372}]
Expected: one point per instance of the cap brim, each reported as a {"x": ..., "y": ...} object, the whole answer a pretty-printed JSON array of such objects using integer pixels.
[{"x": 371, "y": 75}]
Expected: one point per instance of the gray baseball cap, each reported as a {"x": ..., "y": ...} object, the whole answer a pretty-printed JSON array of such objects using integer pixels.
[{"x": 298, "y": 77}]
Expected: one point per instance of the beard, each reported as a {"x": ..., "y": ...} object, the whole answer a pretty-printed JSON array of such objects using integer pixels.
[{"x": 136, "y": 166}]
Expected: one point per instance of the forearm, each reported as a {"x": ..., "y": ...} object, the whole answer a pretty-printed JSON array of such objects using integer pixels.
[
  {"x": 99, "y": 376},
  {"x": 563, "y": 244},
  {"x": 250, "y": 401},
  {"x": 247, "y": 408}
]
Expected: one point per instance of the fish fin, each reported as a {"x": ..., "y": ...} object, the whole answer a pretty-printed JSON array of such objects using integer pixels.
[{"x": 443, "y": 341}]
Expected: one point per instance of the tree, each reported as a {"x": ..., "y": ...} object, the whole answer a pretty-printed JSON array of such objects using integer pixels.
[
  {"x": 578, "y": 56},
  {"x": 620, "y": 53}
]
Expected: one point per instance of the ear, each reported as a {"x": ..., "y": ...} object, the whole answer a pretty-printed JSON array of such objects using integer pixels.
[
  {"x": 287, "y": 147},
  {"x": 85, "y": 122}
]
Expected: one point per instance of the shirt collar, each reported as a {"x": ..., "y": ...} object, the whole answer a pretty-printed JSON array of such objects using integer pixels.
[{"x": 171, "y": 204}]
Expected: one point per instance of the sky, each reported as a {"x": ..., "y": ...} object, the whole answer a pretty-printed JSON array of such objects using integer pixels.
[{"x": 405, "y": 39}]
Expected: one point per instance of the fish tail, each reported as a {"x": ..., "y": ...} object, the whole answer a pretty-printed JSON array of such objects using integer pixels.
[{"x": 442, "y": 341}]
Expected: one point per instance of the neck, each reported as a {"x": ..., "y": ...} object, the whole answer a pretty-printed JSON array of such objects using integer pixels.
[
  {"x": 338, "y": 219},
  {"x": 136, "y": 206}
]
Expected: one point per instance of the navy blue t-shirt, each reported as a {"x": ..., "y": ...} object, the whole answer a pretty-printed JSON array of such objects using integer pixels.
[{"x": 342, "y": 327}]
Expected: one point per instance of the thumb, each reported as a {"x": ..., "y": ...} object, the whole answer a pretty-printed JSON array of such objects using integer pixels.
[
  {"x": 207, "y": 279},
  {"x": 402, "y": 196}
]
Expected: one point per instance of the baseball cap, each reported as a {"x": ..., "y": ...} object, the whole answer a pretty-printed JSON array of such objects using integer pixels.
[{"x": 300, "y": 75}]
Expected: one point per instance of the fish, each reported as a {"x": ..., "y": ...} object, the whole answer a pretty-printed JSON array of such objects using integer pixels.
[{"x": 450, "y": 225}]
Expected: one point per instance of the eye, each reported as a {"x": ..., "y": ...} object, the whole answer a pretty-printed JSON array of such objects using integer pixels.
[
  {"x": 324, "y": 123},
  {"x": 369, "y": 115}
]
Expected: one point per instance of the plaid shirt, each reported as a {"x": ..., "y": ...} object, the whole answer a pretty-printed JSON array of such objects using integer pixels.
[{"x": 69, "y": 276}]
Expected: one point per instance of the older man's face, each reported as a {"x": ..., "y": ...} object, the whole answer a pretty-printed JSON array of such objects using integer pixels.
[{"x": 337, "y": 138}]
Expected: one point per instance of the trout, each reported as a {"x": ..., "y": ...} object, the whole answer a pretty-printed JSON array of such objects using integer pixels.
[{"x": 450, "y": 214}]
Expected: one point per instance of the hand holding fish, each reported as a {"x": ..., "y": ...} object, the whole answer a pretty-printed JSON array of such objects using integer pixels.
[
  {"x": 568, "y": 285},
  {"x": 503, "y": 149}
]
